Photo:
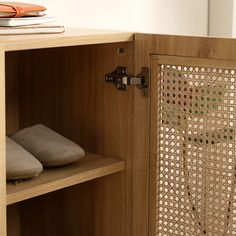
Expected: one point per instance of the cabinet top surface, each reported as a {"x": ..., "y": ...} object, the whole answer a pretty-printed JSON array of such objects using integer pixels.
[{"x": 71, "y": 37}]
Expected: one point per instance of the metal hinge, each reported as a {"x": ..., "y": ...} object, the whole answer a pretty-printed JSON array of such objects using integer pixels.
[{"x": 122, "y": 80}]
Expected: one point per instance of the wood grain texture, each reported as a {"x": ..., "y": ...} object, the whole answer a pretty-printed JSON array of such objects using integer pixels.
[
  {"x": 67, "y": 92},
  {"x": 60, "y": 213},
  {"x": 71, "y": 37},
  {"x": 199, "y": 47},
  {"x": 105, "y": 123},
  {"x": 64, "y": 89},
  {"x": 144, "y": 46},
  {"x": 13, "y": 220},
  {"x": 2, "y": 146},
  {"x": 12, "y": 99},
  {"x": 154, "y": 146},
  {"x": 90, "y": 167},
  {"x": 114, "y": 132}
]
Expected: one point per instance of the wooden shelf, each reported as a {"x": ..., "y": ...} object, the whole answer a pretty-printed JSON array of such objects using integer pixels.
[
  {"x": 71, "y": 37},
  {"x": 90, "y": 167}
]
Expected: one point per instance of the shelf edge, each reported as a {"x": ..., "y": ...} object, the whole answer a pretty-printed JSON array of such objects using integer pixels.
[{"x": 67, "y": 182}]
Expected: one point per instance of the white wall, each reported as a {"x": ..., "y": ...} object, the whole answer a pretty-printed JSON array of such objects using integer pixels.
[
  {"x": 221, "y": 18},
  {"x": 157, "y": 16},
  {"x": 234, "y": 19},
  {"x": 188, "y": 17}
]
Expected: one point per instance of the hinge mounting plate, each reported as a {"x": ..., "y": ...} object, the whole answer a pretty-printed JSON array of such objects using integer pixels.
[{"x": 122, "y": 80}]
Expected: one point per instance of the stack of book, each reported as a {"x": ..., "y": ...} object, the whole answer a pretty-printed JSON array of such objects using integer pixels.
[{"x": 24, "y": 18}]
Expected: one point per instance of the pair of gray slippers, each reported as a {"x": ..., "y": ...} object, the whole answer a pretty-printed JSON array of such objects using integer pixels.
[{"x": 33, "y": 148}]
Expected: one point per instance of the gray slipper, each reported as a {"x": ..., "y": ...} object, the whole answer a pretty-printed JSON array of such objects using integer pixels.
[
  {"x": 20, "y": 164},
  {"x": 49, "y": 147}
]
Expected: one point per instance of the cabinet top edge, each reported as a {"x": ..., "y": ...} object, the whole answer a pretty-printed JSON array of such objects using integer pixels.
[
  {"x": 71, "y": 37},
  {"x": 82, "y": 36}
]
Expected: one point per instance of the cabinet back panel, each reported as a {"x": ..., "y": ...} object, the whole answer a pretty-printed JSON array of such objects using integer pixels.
[
  {"x": 12, "y": 99},
  {"x": 59, "y": 213}
]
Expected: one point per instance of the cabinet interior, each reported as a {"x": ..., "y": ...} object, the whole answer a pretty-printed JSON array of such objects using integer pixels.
[{"x": 64, "y": 89}]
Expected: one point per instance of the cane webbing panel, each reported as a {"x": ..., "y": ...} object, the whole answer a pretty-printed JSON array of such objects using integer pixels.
[{"x": 196, "y": 179}]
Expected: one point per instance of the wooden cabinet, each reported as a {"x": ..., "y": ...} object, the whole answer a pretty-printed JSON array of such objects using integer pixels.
[{"x": 59, "y": 80}]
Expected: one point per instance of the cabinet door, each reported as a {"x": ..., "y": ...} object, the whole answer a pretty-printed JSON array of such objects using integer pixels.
[{"x": 192, "y": 146}]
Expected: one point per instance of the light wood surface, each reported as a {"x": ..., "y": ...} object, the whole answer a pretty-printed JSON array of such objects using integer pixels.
[
  {"x": 2, "y": 146},
  {"x": 190, "y": 46},
  {"x": 90, "y": 167},
  {"x": 71, "y": 37},
  {"x": 183, "y": 46},
  {"x": 154, "y": 146},
  {"x": 67, "y": 92},
  {"x": 141, "y": 164},
  {"x": 64, "y": 89}
]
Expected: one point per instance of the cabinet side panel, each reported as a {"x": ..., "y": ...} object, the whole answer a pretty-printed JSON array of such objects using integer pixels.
[
  {"x": 2, "y": 146},
  {"x": 101, "y": 118}
]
